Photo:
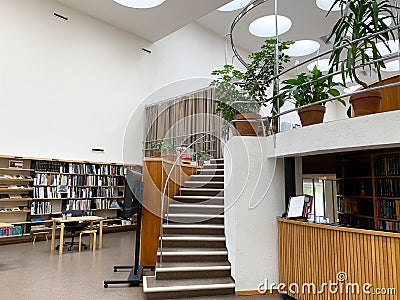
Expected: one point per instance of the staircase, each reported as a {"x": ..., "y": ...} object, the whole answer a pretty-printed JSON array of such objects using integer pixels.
[{"x": 194, "y": 255}]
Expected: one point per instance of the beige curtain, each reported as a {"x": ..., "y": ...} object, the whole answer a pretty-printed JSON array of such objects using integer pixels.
[{"x": 184, "y": 119}]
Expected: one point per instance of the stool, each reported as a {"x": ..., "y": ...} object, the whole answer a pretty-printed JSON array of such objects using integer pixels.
[
  {"x": 36, "y": 233},
  {"x": 92, "y": 233}
]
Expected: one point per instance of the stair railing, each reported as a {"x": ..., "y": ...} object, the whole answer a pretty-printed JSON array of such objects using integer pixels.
[{"x": 167, "y": 184}]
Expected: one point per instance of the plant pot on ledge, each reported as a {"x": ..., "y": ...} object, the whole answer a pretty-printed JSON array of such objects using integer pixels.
[
  {"x": 311, "y": 115},
  {"x": 366, "y": 103},
  {"x": 247, "y": 128}
]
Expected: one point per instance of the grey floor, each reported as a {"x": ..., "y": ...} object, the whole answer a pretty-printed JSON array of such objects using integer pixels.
[{"x": 31, "y": 272}]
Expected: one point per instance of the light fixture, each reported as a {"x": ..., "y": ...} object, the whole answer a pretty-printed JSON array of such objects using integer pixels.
[
  {"x": 351, "y": 89},
  {"x": 327, "y": 4},
  {"x": 383, "y": 50},
  {"x": 265, "y": 26},
  {"x": 234, "y": 5},
  {"x": 322, "y": 65},
  {"x": 392, "y": 66},
  {"x": 339, "y": 78},
  {"x": 140, "y": 3},
  {"x": 302, "y": 47}
]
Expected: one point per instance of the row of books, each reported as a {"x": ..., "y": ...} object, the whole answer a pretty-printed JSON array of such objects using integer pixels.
[
  {"x": 77, "y": 180},
  {"x": 387, "y": 166},
  {"x": 77, "y": 168},
  {"x": 41, "y": 208},
  {"x": 357, "y": 222},
  {"x": 386, "y": 209},
  {"x": 51, "y": 192},
  {"x": 12, "y": 231},
  {"x": 86, "y": 204},
  {"x": 355, "y": 187},
  {"x": 389, "y": 187},
  {"x": 389, "y": 226}
]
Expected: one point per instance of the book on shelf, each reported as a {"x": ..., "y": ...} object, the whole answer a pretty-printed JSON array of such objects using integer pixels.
[
  {"x": 41, "y": 208},
  {"x": 389, "y": 187},
  {"x": 386, "y": 208},
  {"x": 387, "y": 166},
  {"x": 12, "y": 231},
  {"x": 389, "y": 226}
]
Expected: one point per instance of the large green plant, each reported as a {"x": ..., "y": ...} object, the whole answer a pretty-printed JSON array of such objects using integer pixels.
[
  {"x": 245, "y": 92},
  {"x": 310, "y": 88},
  {"x": 360, "y": 18}
]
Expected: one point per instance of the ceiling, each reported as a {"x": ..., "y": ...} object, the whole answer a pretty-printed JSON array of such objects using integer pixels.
[
  {"x": 308, "y": 21},
  {"x": 151, "y": 24}
]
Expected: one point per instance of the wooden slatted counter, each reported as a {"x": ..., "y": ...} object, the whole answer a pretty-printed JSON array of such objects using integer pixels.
[{"x": 316, "y": 253}]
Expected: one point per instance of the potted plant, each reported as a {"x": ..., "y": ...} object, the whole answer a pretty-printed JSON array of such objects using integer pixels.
[
  {"x": 168, "y": 150},
  {"x": 360, "y": 18},
  {"x": 200, "y": 156},
  {"x": 307, "y": 89},
  {"x": 156, "y": 147},
  {"x": 240, "y": 95}
]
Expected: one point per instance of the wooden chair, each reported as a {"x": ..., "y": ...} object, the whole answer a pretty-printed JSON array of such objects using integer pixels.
[{"x": 92, "y": 233}]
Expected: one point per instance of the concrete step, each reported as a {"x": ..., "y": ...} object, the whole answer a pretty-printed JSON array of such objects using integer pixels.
[
  {"x": 190, "y": 270},
  {"x": 185, "y": 288},
  {"x": 192, "y": 255},
  {"x": 213, "y": 166},
  {"x": 192, "y": 241},
  {"x": 201, "y": 192},
  {"x": 217, "y": 161},
  {"x": 207, "y": 177},
  {"x": 194, "y": 218},
  {"x": 211, "y": 172},
  {"x": 211, "y": 200},
  {"x": 204, "y": 184},
  {"x": 196, "y": 208},
  {"x": 194, "y": 229}
]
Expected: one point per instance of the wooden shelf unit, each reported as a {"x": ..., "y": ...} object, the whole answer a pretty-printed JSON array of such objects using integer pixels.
[
  {"x": 111, "y": 188},
  {"x": 379, "y": 210}
]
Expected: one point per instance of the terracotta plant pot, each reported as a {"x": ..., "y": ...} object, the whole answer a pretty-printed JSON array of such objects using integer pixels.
[
  {"x": 157, "y": 153},
  {"x": 366, "y": 103},
  {"x": 247, "y": 128},
  {"x": 311, "y": 115},
  {"x": 170, "y": 157}
]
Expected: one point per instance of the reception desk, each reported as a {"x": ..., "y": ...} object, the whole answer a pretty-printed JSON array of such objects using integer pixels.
[
  {"x": 155, "y": 173},
  {"x": 325, "y": 255}
]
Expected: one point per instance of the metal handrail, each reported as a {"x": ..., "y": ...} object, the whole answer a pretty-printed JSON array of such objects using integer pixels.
[{"x": 165, "y": 190}]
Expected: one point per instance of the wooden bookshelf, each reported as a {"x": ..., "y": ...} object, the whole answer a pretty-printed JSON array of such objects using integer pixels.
[
  {"x": 369, "y": 191},
  {"x": 70, "y": 184}
]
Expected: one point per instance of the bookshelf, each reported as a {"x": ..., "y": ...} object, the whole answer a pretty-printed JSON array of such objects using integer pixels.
[
  {"x": 33, "y": 191},
  {"x": 369, "y": 191}
]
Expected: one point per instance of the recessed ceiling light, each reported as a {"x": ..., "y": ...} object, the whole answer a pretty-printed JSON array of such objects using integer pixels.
[
  {"x": 140, "y": 3},
  {"x": 339, "y": 78},
  {"x": 234, "y": 5},
  {"x": 383, "y": 50},
  {"x": 322, "y": 65},
  {"x": 351, "y": 89},
  {"x": 265, "y": 26},
  {"x": 302, "y": 47},
  {"x": 392, "y": 66},
  {"x": 327, "y": 4}
]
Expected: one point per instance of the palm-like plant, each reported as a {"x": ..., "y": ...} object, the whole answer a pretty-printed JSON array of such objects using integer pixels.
[{"x": 360, "y": 18}]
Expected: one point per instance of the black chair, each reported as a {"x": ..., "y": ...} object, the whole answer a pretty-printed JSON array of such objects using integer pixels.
[{"x": 73, "y": 227}]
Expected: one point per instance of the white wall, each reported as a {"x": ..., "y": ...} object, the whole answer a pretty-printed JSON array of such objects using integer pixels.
[
  {"x": 254, "y": 197},
  {"x": 68, "y": 86}
]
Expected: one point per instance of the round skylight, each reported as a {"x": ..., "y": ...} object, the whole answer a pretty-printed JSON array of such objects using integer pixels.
[
  {"x": 140, "y": 3},
  {"x": 338, "y": 78},
  {"x": 265, "y": 26},
  {"x": 327, "y": 4},
  {"x": 392, "y": 66},
  {"x": 234, "y": 5},
  {"x": 322, "y": 65},
  {"x": 302, "y": 47},
  {"x": 351, "y": 89},
  {"x": 383, "y": 50}
]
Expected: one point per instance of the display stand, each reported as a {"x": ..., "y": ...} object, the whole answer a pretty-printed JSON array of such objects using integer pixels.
[{"x": 135, "y": 278}]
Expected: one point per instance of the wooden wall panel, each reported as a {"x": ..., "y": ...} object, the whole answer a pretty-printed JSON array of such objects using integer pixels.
[
  {"x": 155, "y": 173},
  {"x": 390, "y": 96},
  {"x": 313, "y": 253}
]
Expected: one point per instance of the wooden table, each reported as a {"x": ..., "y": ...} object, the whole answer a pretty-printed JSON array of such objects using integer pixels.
[
  {"x": 90, "y": 219},
  {"x": 6, "y": 225}
]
